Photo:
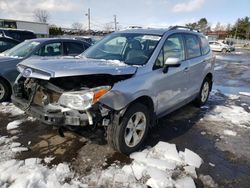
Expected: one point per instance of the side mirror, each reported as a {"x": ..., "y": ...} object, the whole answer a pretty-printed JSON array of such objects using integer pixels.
[{"x": 171, "y": 62}]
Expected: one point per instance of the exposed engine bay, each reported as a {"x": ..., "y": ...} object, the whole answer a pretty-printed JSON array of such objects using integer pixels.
[{"x": 66, "y": 100}]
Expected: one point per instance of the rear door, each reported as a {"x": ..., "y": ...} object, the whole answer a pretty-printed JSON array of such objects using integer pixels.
[
  {"x": 171, "y": 87},
  {"x": 196, "y": 61}
]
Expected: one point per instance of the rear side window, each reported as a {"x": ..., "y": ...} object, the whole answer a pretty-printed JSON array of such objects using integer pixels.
[
  {"x": 193, "y": 46},
  {"x": 73, "y": 48},
  {"x": 204, "y": 46}
]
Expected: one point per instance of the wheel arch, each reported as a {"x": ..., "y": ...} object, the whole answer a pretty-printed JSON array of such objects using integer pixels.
[
  {"x": 6, "y": 82},
  {"x": 148, "y": 102},
  {"x": 210, "y": 77}
]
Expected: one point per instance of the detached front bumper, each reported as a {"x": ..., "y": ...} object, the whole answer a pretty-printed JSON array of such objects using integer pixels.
[{"x": 53, "y": 114}]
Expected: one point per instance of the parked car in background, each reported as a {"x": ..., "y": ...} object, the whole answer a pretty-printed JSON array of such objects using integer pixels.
[
  {"x": 19, "y": 35},
  {"x": 220, "y": 47},
  {"x": 7, "y": 43},
  {"x": 123, "y": 83},
  {"x": 34, "y": 47}
]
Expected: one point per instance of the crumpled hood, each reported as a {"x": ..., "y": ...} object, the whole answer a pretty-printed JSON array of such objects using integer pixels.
[{"x": 47, "y": 68}]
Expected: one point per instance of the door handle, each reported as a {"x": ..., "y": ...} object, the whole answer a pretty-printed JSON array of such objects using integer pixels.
[{"x": 186, "y": 69}]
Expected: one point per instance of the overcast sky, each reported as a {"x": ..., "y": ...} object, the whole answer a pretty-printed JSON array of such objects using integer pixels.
[{"x": 152, "y": 13}]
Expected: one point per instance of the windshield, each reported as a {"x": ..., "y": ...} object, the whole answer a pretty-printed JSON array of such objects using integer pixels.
[
  {"x": 130, "y": 48},
  {"x": 22, "y": 49}
]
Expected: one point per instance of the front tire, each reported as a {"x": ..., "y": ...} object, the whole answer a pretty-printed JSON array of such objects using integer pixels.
[
  {"x": 204, "y": 93},
  {"x": 224, "y": 50},
  {"x": 5, "y": 91},
  {"x": 128, "y": 136}
]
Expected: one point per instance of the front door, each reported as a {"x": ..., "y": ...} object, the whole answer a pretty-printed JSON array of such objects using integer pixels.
[{"x": 171, "y": 87}]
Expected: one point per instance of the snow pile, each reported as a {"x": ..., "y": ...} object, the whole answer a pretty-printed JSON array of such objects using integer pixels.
[
  {"x": 113, "y": 62},
  {"x": 208, "y": 181},
  {"x": 229, "y": 133},
  {"x": 5, "y": 148},
  {"x": 8, "y": 148},
  {"x": 158, "y": 167},
  {"x": 245, "y": 94},
  {"x": 117, "y": 63},
  {"x": 10, "y": 108},
  {"x": 14, "y": 124},
  {"x": 234, "y": 114},
  {"x": 31, "y": 173}
]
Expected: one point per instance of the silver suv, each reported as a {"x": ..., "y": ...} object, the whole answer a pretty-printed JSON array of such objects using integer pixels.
[{"x": 123, "y": 83}]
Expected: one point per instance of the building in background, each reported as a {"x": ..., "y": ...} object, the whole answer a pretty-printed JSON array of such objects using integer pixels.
[{"x": 40, "y": 29}]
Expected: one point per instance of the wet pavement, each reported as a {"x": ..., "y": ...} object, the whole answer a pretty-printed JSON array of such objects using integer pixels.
[{"x": 226, "y": 159}]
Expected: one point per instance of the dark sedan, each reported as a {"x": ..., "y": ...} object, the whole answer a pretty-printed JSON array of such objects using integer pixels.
[
  {"x": 7, "y": 43},
  {"x": 30, "y": 48}
]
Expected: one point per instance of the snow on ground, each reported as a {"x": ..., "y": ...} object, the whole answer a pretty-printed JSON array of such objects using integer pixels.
[
  {"x": 245, "y": 93},
  {"x": 9, "y": 108},
  {"x": 158, "y": 167},
  {"x": 31, "y": 172},
  {"x": 228, "y": 122},
  {"x": 14, "y": 124},
  {"x": 232, "y": 114},
  {"x": 230, "y": 132}
]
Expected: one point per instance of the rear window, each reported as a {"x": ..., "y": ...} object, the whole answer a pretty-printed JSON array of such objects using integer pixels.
[
  {"x": 205, "y": 49},
  {"x": 193, "y": 46}
]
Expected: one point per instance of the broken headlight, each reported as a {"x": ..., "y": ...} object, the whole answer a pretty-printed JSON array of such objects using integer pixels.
[{"x": 82, "y": 100}]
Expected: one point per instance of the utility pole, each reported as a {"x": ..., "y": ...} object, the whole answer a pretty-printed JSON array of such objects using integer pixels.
[
  {"x": 235, "y": 34},
  {"x": 115, "y": 22},
  {"x": 88, "y": 14}
]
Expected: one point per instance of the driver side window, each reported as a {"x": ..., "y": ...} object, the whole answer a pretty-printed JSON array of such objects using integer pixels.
[{"x": 173, "y": 47}]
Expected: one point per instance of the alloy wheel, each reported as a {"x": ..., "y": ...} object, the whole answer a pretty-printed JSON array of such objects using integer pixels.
[
  {"x": 2, "y": 91},
  {"x": 205, "y": 92},
  {"x": 135, "y": 129}
]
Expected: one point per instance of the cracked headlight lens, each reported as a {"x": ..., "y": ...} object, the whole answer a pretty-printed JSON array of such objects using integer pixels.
[{"x": 82, "y": 100}]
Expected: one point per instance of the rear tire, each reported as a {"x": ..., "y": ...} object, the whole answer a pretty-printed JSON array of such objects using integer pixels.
[
  {"x": 128, "y": 136},
  {"x": 5, "y": 91},
  {"x": 204, "y": 93}
]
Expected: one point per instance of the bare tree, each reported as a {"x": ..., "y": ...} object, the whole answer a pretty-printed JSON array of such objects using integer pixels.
[
  {"x": 108, "y": 27},
  {"x": 217, "y": 27},
  {"x": 41, "y": 15},
  {"x": 77, "y": 26}
]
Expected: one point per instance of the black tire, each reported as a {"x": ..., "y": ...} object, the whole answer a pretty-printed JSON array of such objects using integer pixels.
[
  {"x": 5, "y": 91},
  {"x": 116, "y": 131},
  {"x": 200, "y": 100}
]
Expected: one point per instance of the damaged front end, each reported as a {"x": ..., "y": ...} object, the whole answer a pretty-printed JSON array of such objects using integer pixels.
[{"x": 66, "y": 100}]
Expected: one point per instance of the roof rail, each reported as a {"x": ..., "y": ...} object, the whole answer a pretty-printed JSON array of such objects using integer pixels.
[{"x": 183, "y": 27}]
